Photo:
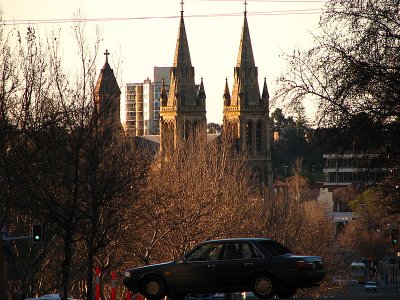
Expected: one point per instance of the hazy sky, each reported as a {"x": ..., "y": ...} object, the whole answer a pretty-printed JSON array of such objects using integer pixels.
[{"x": 142, "y": 34}]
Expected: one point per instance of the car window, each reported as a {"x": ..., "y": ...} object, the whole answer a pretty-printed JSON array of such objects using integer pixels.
[
  {"x": 249, "y": 251},
  {"x": 205, "y": 252},
  {"x": 232, "y": 251},
  {"x": 274, "y": 248}
]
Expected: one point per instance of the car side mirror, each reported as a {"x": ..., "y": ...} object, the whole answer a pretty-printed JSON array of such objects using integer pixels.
[{"x": 182, "y": 260}]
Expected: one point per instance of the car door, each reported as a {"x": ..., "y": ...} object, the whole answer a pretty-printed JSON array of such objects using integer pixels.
[
  {"x": 236, "y": 266},
  {"x": 195, "y": 273}
]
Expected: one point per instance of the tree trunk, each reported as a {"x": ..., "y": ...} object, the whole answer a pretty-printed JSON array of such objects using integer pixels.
[
  {"x": 89, "y": 278},
  {"x": 3, "y": 272},
  {"x": 66, "y": 264}
]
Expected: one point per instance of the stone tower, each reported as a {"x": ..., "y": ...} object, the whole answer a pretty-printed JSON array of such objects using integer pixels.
[
  {"x": 246, "y": 113},
  {"x": 107, "y": 97},
  {"x": 183, "y": 112}
]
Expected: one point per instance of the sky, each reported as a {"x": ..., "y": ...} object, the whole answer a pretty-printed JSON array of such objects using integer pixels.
[{"x": 141, "y": 34}]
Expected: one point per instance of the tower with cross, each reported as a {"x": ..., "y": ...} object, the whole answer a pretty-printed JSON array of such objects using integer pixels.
[
  {"x": 246, "y": 112},
  {"x": 183, "y": 111},
  {"x": 107, "y": 97}
]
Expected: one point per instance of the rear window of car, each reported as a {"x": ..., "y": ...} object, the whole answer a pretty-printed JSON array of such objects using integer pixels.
[{"x": 274, "y": 248}]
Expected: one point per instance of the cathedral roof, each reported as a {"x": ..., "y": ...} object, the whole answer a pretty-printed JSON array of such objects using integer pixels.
[{"x": 106, "y": 83}]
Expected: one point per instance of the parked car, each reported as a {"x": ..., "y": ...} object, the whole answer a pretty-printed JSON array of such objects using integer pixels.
[
  {"x": 370, "y": 286},
  {"x": 260, "y": 265}
]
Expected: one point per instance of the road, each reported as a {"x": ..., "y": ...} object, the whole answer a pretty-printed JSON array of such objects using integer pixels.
[{"x": 357, "y": 292}]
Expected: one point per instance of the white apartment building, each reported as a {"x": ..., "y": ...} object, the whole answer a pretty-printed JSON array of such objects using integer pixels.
[{"x": 142, "y": 103}]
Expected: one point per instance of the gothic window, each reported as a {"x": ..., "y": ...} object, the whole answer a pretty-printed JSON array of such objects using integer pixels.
[
  {"x": 258, "y": 136},
  {"x": 249, "y": 135},
  {"x": 168, "y": 136},
  {"x": 187, "y": 130}
]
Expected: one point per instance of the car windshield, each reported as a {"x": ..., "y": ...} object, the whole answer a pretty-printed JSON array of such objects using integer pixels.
[
  {"x": 274, "y": 248},
  {"x": 209, "y": 251}
]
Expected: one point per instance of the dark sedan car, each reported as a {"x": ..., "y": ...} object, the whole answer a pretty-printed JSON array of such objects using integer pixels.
[{"x": 260, "y": 265}]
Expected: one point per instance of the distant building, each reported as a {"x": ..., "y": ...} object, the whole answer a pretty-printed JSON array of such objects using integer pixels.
[
  {"x": 142, "y": 104},
  {"x": 346, "y": 169}
]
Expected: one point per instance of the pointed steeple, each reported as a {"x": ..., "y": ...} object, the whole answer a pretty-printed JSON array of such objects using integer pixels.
[
  {"x": 107, "y": 96},
  {"x": 245, "y": 55},
  {"x": 182, "y": 54},
  {"x": 201, "y": 96},
  {"x": 245, "y": 91},
  {"x": 227, "y": 94},
  {"x": 106, "y": 83},
  {"x": 265, "y": 94},
  {"x": 183, "y": 91}
]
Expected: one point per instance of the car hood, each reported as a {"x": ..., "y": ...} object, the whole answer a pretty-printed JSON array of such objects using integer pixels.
[
  {"x": 307, "y": 258},
  {"x": 159, "y": 266}
]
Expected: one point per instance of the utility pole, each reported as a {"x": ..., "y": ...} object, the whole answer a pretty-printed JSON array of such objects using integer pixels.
[
  {"x": 3, "y": 257},
  {"x": 3, "y": 272}
]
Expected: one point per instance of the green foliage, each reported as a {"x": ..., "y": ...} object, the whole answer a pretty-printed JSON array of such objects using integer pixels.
[{"x": 292, "y": 140}]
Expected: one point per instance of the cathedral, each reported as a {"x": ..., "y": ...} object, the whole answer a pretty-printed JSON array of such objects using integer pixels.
[{"x": 183, "y": 109}]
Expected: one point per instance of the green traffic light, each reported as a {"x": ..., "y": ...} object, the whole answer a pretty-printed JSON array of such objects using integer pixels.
[{"x": 36, "y": 237}]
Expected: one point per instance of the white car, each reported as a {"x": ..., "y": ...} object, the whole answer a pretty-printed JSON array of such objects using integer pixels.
[{"x": 370, "y": 286}]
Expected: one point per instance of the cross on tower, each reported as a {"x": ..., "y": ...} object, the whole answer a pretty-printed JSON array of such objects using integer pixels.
[
  {"x": 245, "y": 6},
  {"x": 182, "y": 7},
  {"x": 106, "y": 54}
]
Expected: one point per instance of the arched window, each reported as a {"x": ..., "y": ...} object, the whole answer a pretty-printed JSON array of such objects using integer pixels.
[
  {"x": 168, "y": 136},
  {"x": 187, "y": 130},
  {"x": 259, "y": 136},
  {"x": 249, "y": 135}
]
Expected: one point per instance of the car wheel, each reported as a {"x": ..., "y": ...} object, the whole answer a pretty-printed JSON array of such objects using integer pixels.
[
  {"x": 153, "y": 288},
  {"x": 263, "y": 286},
  {"x": 286, "y": 292}
]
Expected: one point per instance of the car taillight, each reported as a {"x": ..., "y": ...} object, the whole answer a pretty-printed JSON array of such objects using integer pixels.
[{"x": 305, "y": 265}]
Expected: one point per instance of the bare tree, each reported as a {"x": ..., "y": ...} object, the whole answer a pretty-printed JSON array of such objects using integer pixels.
[{"x": 200, "y": 192}]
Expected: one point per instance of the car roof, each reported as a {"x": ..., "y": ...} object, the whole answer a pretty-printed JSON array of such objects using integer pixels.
[{"x": 238, "y": 240}]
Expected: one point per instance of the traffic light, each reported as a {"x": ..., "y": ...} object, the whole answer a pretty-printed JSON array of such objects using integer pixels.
[
  {"x": 394, "y": 236},
  {"x": 37, "y": 233}
]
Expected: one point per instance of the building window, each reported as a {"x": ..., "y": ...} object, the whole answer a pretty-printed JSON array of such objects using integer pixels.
[{"x": 258, "y": 136}]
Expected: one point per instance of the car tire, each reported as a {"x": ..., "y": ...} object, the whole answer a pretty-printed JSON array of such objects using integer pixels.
[
  {"x": 153, "y": 288},
  {"x": 286, "y": 292},
  {"x": 264, "y": 286}
]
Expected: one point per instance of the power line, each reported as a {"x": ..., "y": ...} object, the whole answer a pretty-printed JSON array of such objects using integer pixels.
[
  {"x": 71, "y": 20},
  {"x": 273, "y": 1}
]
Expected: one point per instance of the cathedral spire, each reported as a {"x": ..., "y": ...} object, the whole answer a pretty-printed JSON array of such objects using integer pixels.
[
  {"x": 245, "y": 55},
  {"x": 182, "y": 54}
]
